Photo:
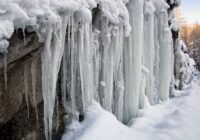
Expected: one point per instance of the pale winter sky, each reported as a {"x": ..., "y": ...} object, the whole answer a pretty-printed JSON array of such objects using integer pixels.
[{"x": 191, "y": 10}]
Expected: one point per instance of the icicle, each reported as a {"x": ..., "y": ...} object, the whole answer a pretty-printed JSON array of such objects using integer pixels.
[
  {"x": 96, "y": 58},
  {"x": 24, "y": 35},
  {"x": 57, "y": 114},
  {"x": 144, "y": 87},
  {"x": 33, "y": 81},
  {"x": 165, "y": 64},
  {"x": 51, "y": 59},
  {"x": 86, "y": 64},
  {"x": 165, "y": 43},
  {"x": 107, "y": 66},
  {"x": 64, "y": 78},
  {"x": 5, "y": 73},
  {"x": 64, "y": 65},
  {"x": 133, "y": 60},
  {"x": 149, "y": 50},
  {"x": 73, "y": 67},
  {"x": 80, "y": 42},
  {"x": 157, "y": 59},
  {"x": 119, "y": 94},
  {"x": 26, "y": 91},
  {"x": 46, "y": 86},
  {"x": 117, "y": 43}
]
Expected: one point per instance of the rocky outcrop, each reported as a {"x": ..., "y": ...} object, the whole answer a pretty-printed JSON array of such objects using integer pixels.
[{"x": 20, "y": 117}]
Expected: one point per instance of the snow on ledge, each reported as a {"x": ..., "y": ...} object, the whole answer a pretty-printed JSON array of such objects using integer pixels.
[{"x": 41, "y": 13}]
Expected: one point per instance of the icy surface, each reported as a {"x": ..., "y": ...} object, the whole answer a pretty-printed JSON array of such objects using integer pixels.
[{"x": 165, "y": 121}]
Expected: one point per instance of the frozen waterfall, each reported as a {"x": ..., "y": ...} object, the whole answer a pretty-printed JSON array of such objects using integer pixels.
[{"x": 117, "y": 52}]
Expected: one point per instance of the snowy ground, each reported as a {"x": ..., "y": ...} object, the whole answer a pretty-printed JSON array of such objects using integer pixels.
[{"x": 176, "y": 119}]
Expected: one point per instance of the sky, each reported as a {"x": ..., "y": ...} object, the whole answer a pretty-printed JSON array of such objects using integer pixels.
[{"x": 191, "y": 10}]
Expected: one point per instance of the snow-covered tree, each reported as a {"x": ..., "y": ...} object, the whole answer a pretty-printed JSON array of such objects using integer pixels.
[{"x": 195, "y": 44}]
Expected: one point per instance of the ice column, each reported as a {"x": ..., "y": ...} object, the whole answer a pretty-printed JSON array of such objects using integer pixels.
[
  {"x": 117, "y": 40},
  {"x": 133, "y": 59},
  {"x": 165, "y": 63},
  {"x": 51, "y": 58},
  {"x": 33, "y": 81},
  {"x": 149, "y": 49},
  {"x": 96, "y": 62},
  {"x": 26, "y": 91},
  {"x": 5, "y": 72},
  {"x": 165, "y": 43},
  {"x": 106, "y": 84},
  {"x": 86, "y": 63}
]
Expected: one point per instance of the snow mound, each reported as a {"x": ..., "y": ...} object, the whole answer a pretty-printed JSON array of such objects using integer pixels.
[
  {"x": 176, "y": 119},
  {"x": 99, "y": 124}
]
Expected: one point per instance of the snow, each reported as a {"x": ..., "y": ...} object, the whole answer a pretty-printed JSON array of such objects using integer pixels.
[
  {"x": 6, "y": 30},
  {"x": 176, "y": 119}
]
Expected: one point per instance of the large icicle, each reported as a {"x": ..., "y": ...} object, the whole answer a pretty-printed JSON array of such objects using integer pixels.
[
  {"x": 26, "y": 91},
  {"x": 86, "y": 63},
  {"x": 96, "y": 59},
  {"x": 106, "y": 84},
  {"x": 165, "y": 64},
  {"x": 51, "y": 59},
  {"x": 5, "y": 73},
  {"x": 157, "y": 58},
  {"x": 73, "y": 51},
  {"x": 33, "y": 81},
  {"x": 149, "y": 50},
  {"x": 133, "y": 59},
  {"x": 117, "y": 40},
  {"x": 165, "y": 43}
]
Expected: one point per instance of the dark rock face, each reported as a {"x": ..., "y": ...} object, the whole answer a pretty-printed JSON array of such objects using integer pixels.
[{"x": 15, "y": 122}]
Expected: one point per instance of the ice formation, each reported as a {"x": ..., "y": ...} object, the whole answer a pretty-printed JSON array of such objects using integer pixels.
[
  {"x": 184, "y": 65},
  {"x": 33, "y": 81},
  {"x": 133, "y": 60},
  {"x": 117, "y": 52},
  {"x": 26, "y": 90}
]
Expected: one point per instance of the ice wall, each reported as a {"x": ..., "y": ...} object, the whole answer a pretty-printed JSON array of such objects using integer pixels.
[
  {"x": 117, "y": 52},
  {"x": 92, "y": 66}
]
